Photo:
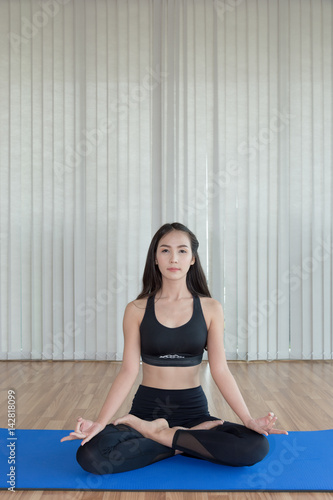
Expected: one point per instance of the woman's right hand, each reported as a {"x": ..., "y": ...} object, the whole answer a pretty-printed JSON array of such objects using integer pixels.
[{"x": 84, "y": 429}]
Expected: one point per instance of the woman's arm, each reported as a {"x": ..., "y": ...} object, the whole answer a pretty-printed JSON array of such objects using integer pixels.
[
  {"x": 86, "y": 429},
  {"x": 218, "y": 364},
  {"x": 129, "y": 367},
  {"x": 224, "y": 378}
]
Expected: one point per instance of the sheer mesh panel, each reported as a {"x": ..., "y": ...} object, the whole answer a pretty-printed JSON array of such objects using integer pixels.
[
  {"x": 228, "y": 444},
  {"x": 186, "y": 441}
]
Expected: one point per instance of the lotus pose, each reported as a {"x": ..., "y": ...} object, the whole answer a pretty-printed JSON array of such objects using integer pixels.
[{"x": 169, "y": 325}]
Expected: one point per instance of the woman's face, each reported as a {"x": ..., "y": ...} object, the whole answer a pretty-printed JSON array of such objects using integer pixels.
[{"x": 174, "y": 255}]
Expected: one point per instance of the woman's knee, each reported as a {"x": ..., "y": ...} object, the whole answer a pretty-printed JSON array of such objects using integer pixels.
[
  {"x": 91, "y": 460},
  {"x": 95, "y": 455},
  {"x": 257, "y": 451},
  {"x": 249, "y": 447}
]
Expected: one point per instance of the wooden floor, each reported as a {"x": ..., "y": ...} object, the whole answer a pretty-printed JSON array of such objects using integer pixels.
[{"x": 51, "y": 395}]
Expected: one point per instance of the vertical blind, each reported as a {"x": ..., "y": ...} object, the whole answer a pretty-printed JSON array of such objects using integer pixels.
[{"x": 119, "y": 116}]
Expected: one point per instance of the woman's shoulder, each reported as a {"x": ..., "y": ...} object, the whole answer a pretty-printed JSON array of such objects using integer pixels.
[
  {"x": 212, "y": 311},
  {"x": 137, "y": 306},
  {"x": 140, "y": 303},
  {"x": 210, "y": 302},
  {"x": 211, "y": 306},
  {"x": 134, "y": 311}
]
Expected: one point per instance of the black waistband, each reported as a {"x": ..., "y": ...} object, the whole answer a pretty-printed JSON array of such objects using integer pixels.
[{"x": 172, "y": 360}]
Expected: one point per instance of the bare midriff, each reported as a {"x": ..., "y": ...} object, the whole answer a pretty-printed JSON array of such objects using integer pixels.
[{"x": 170, "y": 377}]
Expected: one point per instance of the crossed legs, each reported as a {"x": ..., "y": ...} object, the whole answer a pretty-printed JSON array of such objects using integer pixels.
[{"x": 131, "y": 443}]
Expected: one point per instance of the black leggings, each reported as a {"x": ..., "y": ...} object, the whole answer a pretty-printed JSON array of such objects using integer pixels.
[{"x": 120, "y": 448}]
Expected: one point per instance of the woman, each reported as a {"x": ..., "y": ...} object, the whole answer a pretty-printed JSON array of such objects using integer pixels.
[{"x": 170, "y": 324}]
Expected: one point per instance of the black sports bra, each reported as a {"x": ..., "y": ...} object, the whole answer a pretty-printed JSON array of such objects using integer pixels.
[{"x": 180, "y": 346}]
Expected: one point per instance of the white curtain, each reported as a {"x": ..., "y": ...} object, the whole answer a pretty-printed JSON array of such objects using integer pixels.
[{"x": 118, "y": 116}]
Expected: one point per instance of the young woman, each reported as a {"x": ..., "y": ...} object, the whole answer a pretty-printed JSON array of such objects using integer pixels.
[{"x": 170, "y": 324}]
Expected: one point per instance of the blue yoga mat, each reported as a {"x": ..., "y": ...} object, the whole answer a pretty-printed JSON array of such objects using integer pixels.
[{"x": 299, "y": 461}]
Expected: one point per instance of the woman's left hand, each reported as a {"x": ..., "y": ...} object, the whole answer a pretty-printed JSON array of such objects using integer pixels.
[{"x": 264, "y": 425}]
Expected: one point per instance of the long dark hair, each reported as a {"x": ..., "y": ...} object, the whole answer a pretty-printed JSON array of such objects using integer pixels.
[{"x": 152, "y": 279}]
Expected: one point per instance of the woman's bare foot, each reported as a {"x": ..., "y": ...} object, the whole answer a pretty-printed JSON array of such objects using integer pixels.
[
  {"x": 147, "y": 429},
  {"x": 209, "y": 424},
  {"x": 158, "y": 430}
]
